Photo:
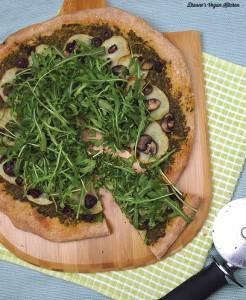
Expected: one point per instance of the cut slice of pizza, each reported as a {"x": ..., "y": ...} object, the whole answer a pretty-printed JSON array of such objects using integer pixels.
[{"x": 76, "y": 91}]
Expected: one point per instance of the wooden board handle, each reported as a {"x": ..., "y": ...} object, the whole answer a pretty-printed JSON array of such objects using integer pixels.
[{"x": 70, "y": 6}]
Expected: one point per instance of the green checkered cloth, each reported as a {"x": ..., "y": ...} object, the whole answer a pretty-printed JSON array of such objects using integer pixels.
[{"x": 225, "y": 86}]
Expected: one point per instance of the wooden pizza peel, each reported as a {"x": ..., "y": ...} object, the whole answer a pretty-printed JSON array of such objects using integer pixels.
[{"x": 124, "y": 248}]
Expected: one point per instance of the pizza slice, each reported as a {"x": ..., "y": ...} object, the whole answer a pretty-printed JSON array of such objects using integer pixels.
[{"x": 93, "y": 100}]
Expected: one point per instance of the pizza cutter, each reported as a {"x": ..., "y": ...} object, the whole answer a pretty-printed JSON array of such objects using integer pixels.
[{"x": 229, "y": 237}]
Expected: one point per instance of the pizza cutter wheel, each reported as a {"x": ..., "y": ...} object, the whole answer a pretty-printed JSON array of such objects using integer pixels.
[{"x": 229, "y": 237}]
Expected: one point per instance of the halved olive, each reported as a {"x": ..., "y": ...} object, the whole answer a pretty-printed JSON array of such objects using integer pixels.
[
  {"x": 158, "y": 66},
  {"x": 119, "y": 70},
  {"x": 7, "y": 89},
  {"x": 18, "y": 180},
  {"x": 21, "y": 62},
  {"x": 112, "y": 49},
  {"x": 96, "y": 42},
  {"x": 67, "y": 210},
  {"x": 35, "y": 193},
  {"x": 70, "y": 46},
  {"x": 167, "y": 123},
  {"x": 90, "y": 201},
  {"x": 8, "y": 167}
]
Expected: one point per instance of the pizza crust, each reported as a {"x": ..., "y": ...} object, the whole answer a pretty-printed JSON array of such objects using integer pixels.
[
  {"x": 174, "y": 228},
  {"x": 28, "y": 219}
]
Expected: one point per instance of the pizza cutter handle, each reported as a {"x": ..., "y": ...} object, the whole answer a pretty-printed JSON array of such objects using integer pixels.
[{"x": 199, "y": 286}]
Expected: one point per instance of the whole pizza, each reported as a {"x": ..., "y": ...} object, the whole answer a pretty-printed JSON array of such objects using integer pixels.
[{"x": 91, "y": 102}]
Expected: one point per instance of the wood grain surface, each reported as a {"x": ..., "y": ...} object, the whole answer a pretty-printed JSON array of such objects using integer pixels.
[{"x": 124, "y": 248}]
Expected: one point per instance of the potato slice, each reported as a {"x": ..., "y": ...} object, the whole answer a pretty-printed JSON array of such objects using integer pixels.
[
  {"x": 10, "y": 179},
  {"x": 8, "y": 77},
  {"x": 115, "y": 48},
  {"x": 81, "y": 37},
  {"x": 39, "y": 49},
  {"x": 160, "y": 138},
  {"x": 126, "y": 60},
  {"x": 164, "y": 103},
  {"x": 42, "y": 200}
]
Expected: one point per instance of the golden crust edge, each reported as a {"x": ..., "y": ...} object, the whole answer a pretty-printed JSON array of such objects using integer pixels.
[
  {"x": 174, "y": 228},
  {"x": 26, "y": 218}
]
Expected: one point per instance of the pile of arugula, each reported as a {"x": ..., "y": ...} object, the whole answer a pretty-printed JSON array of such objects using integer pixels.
[{"x": 53, "y": 103}]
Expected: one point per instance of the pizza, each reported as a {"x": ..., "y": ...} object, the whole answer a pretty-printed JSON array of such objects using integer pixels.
[{"x": 90, "y": 102}]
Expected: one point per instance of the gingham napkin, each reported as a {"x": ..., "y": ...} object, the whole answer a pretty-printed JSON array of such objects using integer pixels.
[{"x": 225, "y": 86}]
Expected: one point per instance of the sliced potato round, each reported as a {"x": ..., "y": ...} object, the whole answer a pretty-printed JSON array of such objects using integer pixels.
[
  {"x": 115, "y": 48},
  {"x": 8, "y": 77},
  {"x": 160, "y": 138},
  {"x": 10, "y": 179},
  {"x": 42, "y": 200},
  {"x": 164, "y": 103},
  {"x": 81, "y": 37},
  {"x": 126, "y": 60},
  {"x": 39, "y": 49},
  {"x": 5, "y": 116}
]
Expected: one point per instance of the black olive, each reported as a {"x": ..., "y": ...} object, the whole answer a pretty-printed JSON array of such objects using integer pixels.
[
  {"x": 2, "y": 158},
  {"x": 158, "y": 66},
  {"x": 90, "y": 201},
  {"x": 35, "y": 193},
  {"x": 169, "y": 210},
  {"x": 21, "y": 62},
  {"x": 107, "y": 33},
  {"x": 117, "y": 70},
  {"x": 7, "y": 90},
  {"x": 96, "y": 42},
  {"x": 19, "y": 181},
  {"x": 70, "y": 47},
  {"x": 140, "y": 58},
  {"x": 143, "y": 226},
  {"x": 120, "y": 70},
  {"x": 120, "y": 84},
  {"x": 8, "y": 167},
  {"x": 67, "y": 210},
  {"x": 88, "y": 218},
  {"x": 147, "y": 89},
  {"x": 112, "y": 49}
]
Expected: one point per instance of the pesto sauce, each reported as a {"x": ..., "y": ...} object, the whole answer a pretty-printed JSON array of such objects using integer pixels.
[{"x": 154, "y": 234}]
